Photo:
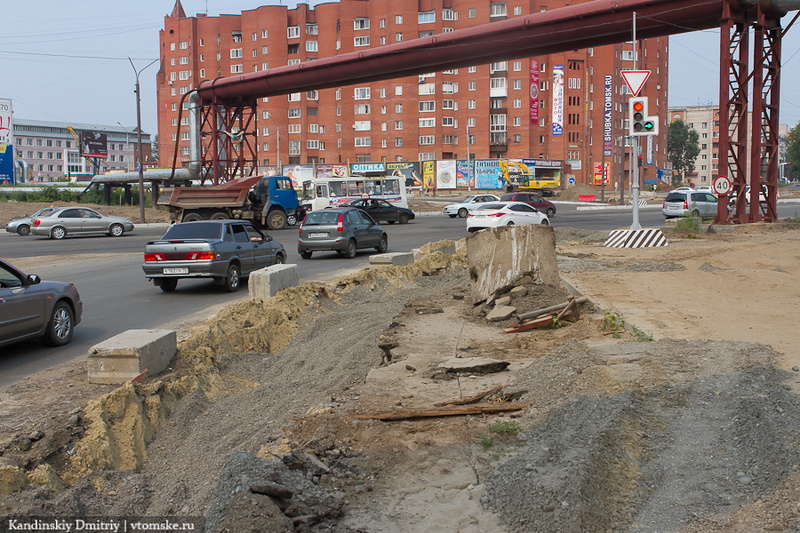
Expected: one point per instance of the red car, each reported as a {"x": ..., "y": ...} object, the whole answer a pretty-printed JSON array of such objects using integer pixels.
[{"x": 545, "y": 206}]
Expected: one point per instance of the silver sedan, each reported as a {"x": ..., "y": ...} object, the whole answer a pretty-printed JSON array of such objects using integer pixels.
[{"x": 62, "y": 221}]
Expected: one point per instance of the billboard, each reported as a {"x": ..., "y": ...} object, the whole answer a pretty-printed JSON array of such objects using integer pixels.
[
  {"x": 408, "y": 170},
  {"x": 488, "y": 174},
  {"x": 6, "y": 143},
  {"x": 298, "y": 174},
  {"x": 465, "y": 178},
  {"x": 534, "y": 90},
  {"x": 446, "y": 174},
  {"x": 94, "y": 144},
  {"x": 558, "y": 100}
]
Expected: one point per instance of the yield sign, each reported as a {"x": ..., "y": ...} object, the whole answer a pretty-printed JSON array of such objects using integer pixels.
[{"x": 635, "y": 79}]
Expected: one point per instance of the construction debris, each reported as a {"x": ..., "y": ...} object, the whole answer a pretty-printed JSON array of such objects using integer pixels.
[{"x": 483, "y": 409}]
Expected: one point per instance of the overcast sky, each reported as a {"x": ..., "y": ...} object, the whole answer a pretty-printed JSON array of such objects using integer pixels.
[{"x": 67, "y": 61}]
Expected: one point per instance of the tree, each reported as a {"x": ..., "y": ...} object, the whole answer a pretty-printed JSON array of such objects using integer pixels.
[
  {"x": 793, "y": 151},
  {"x": 682, "y": 147},
  {"x": 154, "y": 148}
]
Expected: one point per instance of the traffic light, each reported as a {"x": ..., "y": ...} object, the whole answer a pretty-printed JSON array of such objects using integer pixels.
[{"x": 640, "y": 122}]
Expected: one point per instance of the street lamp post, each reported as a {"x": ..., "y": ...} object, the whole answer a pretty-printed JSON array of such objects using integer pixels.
[{"x": 139, "y": 137}]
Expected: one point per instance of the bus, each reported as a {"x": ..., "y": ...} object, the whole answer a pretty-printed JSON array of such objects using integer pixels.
[{"x": 330, "y": 192}]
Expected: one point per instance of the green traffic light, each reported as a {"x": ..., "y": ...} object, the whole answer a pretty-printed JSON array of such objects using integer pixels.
[{"x": 649, "y": 126}]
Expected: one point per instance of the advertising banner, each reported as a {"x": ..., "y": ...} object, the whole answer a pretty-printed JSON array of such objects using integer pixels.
[
  {"x": 650, "y": 151},
  {"x": 607, "y": 107},
  {"x": 465, "y": 178},
  {"x": 534, "y": 91},
  {"x": 94, "y": 145},
  {"x": 298, "y": 174},
  {"x": 368, "y": 168},
  {"x": 598, "y": 174},
  {"x": 446, "y": 174},
  {"x": 6, "y": 143},
  {"x": 429, "y": 174},
  {"x": 488, "y": 174},
  {"x": 339, "y": 170},
  {"x": 408, "y": 170},
  {"x": 558, "y": 100},
  {"x": 324, "y": 171}
]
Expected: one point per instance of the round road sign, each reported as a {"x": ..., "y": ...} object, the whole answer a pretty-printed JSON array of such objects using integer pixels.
[
  {"x": 571, "y": 181},
  {"x": 722, "y": 185}
]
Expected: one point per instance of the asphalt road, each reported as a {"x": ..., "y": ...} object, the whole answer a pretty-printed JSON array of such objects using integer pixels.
[{"x": 116, "y": 296}]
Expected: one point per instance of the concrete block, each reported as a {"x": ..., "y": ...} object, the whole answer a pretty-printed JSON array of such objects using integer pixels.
[
  {"x": 499, "y": 258},
  {"x": 125, "y": 356},
  {"x": 391, "y": 259},
  {"x": 266, "y": 282}
]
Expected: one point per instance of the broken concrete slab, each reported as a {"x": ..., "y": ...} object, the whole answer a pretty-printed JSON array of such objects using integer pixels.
[
  {"x": 125, "y": 356},
  {"x": 391, "y": 259},
  {"x": 501, "y": 312},
  {"x": 473, "y": 365},
  {"x": 266, "y": 282},
  {"x": 501, "y": 257},
  {"x": 500, "y": 302}
]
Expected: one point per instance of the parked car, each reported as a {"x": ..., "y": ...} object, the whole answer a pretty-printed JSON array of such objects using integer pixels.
[
  {"x": 497, "y": 214},
  {"x": 225, "y": 250},
  {"x": 705, "y": 188},
  {"x": 461, "y": 209},
  {"x": 22, "y": 226},
  {"x": 545, "y": 206},
  {"x": 31, "y": 308},
  {"x": 63, "y": 221},
  {"x": 762, "y": 196},
  {"x": 382, "y": 210},
  {"x": 689, "y": 202},
  {"x": 343, "y": 229}
]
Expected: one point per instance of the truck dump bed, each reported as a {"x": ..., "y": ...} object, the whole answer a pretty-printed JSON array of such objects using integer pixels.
[{"x": 230, "y": 194}]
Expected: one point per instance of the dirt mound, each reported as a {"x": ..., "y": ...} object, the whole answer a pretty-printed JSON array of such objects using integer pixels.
[{"x": 571, "y": 193}]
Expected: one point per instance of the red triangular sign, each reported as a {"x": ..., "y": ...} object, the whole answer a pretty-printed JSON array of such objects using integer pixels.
[{"x": 635, "y": 79}]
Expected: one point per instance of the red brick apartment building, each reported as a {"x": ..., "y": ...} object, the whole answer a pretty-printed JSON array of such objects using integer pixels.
[{"x": 499, "y": 110}]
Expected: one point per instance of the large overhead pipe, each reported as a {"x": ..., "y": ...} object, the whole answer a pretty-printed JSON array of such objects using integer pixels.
[{"x": 573, "y": 27}]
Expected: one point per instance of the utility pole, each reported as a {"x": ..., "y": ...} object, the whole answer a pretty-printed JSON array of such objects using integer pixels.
[{"x": 139, "y": 139}]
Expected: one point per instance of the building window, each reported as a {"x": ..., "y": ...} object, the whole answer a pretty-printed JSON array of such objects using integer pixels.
[
  {"x": 501, "y": 66},
  {"x": 472, "y": 104},
  {"x": 312, "y": 144},
  {"x": 184, "y": 45},
  {"x": 293, "y": 62},
  {"x": 294, "y": 112},
  {"x": 498, "y": 10},
  {"x": 427, "y": 88},
  {"x": 449, "y": 87},
  {"x": 472, "y": 13},
  {"x": 311, "y": 46},
  {"x": 312, "y": 29},
  {"x": 237, "y": 69},
  {"x": 398, "y": 108},
  {"x": 449, "y": 104},
  {"x": 471, "y": 86},
  {"x": 236, "y": 53},
  {"x": 361, "y": 93},
  {"x": 362, "y": 141},
  {"x": 398, "y": 142},
  {"x": 574, "y": 83},
  {"x": 265, "y": 34},
  {"x": 361, "y": 23},
  {"x": 184, "y": 75},
  {"x": 362, "y": 109},
  {"x": 427, "y": 140},
  {"x": 427, "y": 123},
  {"x": 449, "y": 14},
  {"x": 237, "y": 36},
  {"x": 398, "y": 125},
  {"x": 627, "y": 55},
  {"x": 448, "y": 122},
  {"x": 362, "y": 125},
  {"x": 293, "y": 32},
  {"x": 426, "y": 17},
  {"x": 497, "y": 123},
  {"x": 361, "y": 41},
  {"x": 427, "y": 105},
  {"x": 517, "y": 10}
]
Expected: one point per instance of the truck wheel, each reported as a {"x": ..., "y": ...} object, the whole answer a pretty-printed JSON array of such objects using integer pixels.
[
  {"x": 233, "y": 278},
  {"x": 191, "y": 217},
  {"x": 220, "y": 215},
  {"x": 276, "y": 219}
]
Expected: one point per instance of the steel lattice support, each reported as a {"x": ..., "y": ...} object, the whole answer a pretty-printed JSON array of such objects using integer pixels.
[
  {"x": 764, "y": 157},
  {"x": 228, "y": 142},
  {"x": 748, "y": 147},
  {"x": 733, "y": 68}
]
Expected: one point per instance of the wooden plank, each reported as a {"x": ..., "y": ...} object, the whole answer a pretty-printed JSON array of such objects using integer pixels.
[
  {"x": 444, "y": 411},
  {"x": 471, "y": 399}
]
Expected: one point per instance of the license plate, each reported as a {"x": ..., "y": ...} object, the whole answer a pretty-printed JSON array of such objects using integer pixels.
[
  {"x": 179, "y": 270},
  {"x": 673, "y": 207},
  {"x": 316, "y": 235}
]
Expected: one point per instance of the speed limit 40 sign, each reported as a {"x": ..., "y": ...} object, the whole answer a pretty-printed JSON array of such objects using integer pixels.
[{"x": 722, "y": 185}]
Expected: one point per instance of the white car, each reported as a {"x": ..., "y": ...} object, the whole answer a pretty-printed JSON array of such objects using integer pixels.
[
  {"x": 471, "y": 202},
  {"x": 497, "y": 214},
  {"x": 762, "y": 197},
  {"x": 705, "y": 188}
]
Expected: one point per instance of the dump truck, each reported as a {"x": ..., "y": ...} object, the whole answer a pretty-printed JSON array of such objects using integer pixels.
[{"x": 267, "y": 201}]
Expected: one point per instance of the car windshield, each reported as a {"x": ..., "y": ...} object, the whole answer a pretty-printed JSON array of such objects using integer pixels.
[
  {"x": 321, "y": 218},
  {"x": 491, "y": 207},
  {"x": 194, "y": 230}
]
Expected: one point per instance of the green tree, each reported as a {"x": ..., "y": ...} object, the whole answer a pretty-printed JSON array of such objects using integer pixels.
[
  {"x": 793, "y": 152},
  {"x": 154, "y": 148},
  {"x": 682, "y": 147}
]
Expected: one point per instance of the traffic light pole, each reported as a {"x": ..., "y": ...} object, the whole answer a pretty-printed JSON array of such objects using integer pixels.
[{"x": 635, "y": 185}]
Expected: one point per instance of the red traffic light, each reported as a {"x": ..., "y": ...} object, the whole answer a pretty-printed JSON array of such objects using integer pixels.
[{"x": 638, "y": 105}]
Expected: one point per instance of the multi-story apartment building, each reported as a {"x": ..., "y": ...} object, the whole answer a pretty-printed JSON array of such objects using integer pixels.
[
  {"x": 704, "y": 119},
  {"x": 570, "y": 106},
  {"x": 49, "y": 151}
]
